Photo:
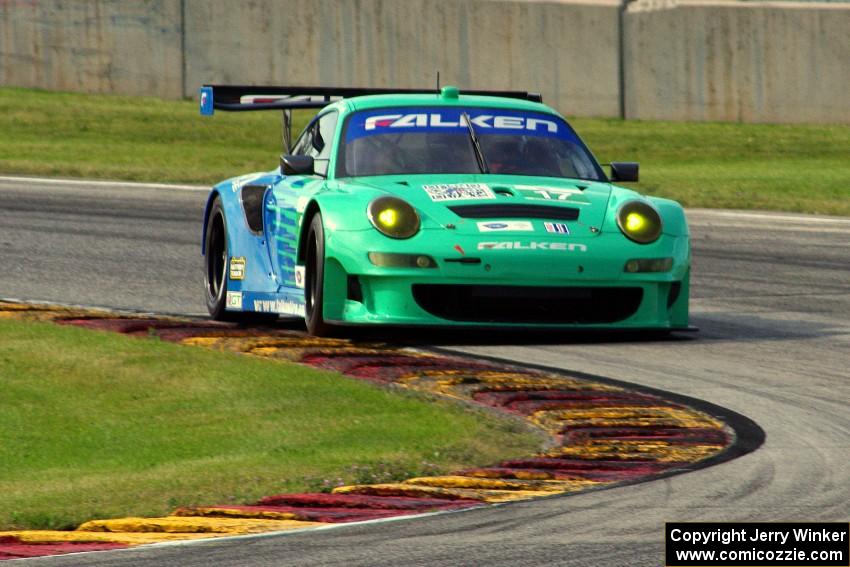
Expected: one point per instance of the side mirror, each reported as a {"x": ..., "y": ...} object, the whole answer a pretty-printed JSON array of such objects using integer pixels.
[
  {"x": 624, "y": 171},
  {"x": 296, "y": 165}
]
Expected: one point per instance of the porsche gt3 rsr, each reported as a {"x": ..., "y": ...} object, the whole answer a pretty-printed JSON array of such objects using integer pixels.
[{"x": 438, "y": 208}]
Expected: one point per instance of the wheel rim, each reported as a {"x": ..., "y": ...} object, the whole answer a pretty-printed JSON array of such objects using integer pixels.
[{"x": 217, "y": 258}]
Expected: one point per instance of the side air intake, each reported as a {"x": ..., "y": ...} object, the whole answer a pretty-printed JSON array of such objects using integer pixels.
[{"x": 252, "y": 204}]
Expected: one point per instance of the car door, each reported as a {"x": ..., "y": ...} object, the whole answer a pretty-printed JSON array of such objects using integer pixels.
[{"x": 285, "y": 204}]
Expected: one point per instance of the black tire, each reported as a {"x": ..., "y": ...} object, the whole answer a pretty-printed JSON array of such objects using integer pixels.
[
  {"x": 215, "y": 262},
  {"x": 314, "y": 279},
  {"x": 215, "y": 271}
]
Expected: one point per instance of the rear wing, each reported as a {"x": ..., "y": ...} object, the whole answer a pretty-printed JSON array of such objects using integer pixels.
[{"x": 239, "y": 98}]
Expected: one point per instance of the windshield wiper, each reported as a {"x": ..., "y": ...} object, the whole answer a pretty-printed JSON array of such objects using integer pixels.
[{"x": 479, "y": 155}]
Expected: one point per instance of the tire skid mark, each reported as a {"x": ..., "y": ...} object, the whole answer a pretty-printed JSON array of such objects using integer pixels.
[{"x": 602, "y": 434}]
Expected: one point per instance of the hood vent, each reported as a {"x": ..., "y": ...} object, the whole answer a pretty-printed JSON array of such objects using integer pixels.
[{"x": 515, "y": 211}]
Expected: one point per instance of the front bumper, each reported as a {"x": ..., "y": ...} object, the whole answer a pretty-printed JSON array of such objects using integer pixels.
[{"x": 581, "y": 282}]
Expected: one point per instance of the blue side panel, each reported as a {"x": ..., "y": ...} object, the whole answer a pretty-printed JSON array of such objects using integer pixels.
[
  {"x": 282, "y": 222},
  {"x": 283, "y": 210},
  {"x": 252, "y": 281}
]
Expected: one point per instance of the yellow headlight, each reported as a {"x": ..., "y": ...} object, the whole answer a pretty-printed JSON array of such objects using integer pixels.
[
  {"x": 639, "y": 221},
  {"x": 393, "y": 217},
  {"x": 388, "y": 217},
  {"x": 635, "y": 222}
]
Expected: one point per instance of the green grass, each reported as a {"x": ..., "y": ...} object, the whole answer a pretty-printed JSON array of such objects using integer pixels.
[
  {"x": 802, "y": 168},
  {"x": 133, "y": 138},
  {"x": 102, "y": 425}
]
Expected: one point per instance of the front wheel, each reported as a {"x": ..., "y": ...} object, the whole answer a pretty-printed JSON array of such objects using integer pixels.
[
  {"x": 215, "y": 263},
  {"x": 215, "y": 272},
  {"x": 314, "y": 281}
]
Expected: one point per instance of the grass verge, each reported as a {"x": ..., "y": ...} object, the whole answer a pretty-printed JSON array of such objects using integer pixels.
[
  {"x": 96, "y": 425},
  {"x": 802, "y": 168}
]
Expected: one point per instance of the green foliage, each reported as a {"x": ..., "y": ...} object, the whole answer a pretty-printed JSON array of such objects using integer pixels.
[{"x": 102, "y": 425}]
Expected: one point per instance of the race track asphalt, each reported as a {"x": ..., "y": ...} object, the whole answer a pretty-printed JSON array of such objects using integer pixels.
[{"x": 770, "y": 293}]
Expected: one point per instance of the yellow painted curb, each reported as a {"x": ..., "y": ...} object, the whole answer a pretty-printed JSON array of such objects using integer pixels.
[
  {"x": 125, "y": 538},
  {"x": 519, "y": 474},
  {"x": 623, "y": 417},
  {"x": 421, "y": 491},
  {"x": 624, "y": 450},
  {"x": 478, "y": 483},
  {"x": 224, "y": 511},
  {"x": 461, "y": 383},
  {"x": 193, "y": 524}
]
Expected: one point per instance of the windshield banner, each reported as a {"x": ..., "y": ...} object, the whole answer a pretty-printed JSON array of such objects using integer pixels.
[{"x": 442, "y": 119}]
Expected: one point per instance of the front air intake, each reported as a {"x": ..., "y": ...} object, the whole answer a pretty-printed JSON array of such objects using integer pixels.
[
  {"x": 515, "y": 211},
  {"x": 528, "y": 304}
]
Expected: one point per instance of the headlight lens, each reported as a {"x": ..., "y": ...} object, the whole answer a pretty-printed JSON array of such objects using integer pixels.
[
  {"x": 639, "y": 221},
  {"x": 393, "y": 217}
]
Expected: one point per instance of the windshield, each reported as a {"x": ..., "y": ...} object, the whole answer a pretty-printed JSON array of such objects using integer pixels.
[{"x": 399, "y": 140}]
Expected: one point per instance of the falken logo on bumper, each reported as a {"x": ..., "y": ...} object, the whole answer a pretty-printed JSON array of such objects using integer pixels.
[{"x": 516, "y": 245}]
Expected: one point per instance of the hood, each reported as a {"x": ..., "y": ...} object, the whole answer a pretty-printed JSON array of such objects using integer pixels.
[{"x": 466, "y": 200}]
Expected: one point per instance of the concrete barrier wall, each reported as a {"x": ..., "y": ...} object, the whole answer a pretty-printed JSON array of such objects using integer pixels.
[
  {"x": 98, "y": 46},
  {"x": 739, "y": 61},
  {"x": 567, "y": 51},
  {"x": 694, "y": 60}
]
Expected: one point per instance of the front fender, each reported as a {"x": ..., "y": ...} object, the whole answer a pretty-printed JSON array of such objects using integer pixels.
[
  {"x": 341, "y": 211},
  {"x": 241, "y": 241},
  {"x": 344, "y": 210},
  {"x": 673, "y": 216}
]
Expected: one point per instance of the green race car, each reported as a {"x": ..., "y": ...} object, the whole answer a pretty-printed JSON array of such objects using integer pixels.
[{"x": 443, "y": 209}]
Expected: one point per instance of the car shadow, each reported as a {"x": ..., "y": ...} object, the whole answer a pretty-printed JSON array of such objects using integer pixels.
[
  {"x": 714, "y": 327},
  {"x": 478, "y": 336}
]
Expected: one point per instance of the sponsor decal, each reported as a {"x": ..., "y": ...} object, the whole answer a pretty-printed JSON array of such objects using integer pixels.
[
  {"x": 454, "y": 119},
  {"x": 460, "y": 249},
  {"x": 299, "y": 277},
  {"x": 556, "y": 227},
  {"x": 546, "y": 193},
  {"x": 458, "y": 191},
  {"x": 234, "y": 300},
  {"x": 237, "y": 268},
  {"x": 450, "y": 119},
  {"x": 506, "y": 226},
  {"x": 280, "y": 306},
  {"x": 561, "y": 246}
]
